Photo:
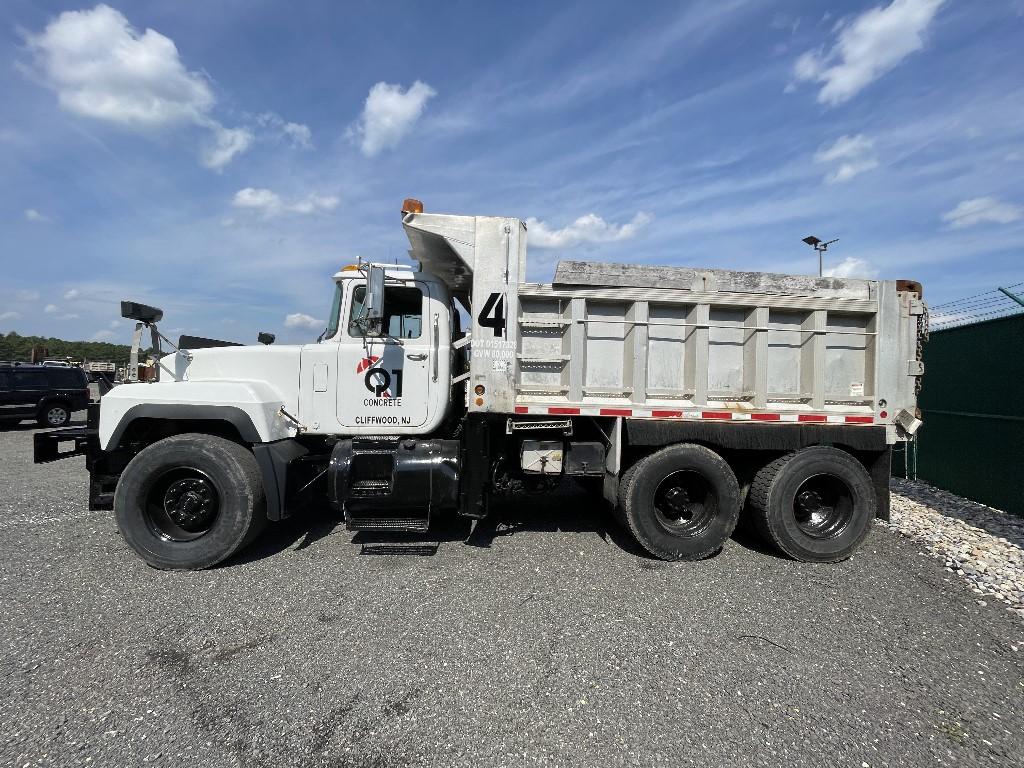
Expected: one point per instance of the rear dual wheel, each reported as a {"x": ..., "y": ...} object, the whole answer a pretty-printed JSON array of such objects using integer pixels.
[
  {"x": 681, "y": 503},
  {"x": 815, "y": 505}
]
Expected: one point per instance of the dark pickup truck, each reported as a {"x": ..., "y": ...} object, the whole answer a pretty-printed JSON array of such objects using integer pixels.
[{"x": 48, "y": 395}]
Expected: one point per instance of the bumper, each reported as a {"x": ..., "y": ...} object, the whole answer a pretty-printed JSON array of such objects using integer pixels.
[
  {"x": 69, "y": 441},
  {"x": 61, "y": 444},
  {"x": 81, "y": 441}
]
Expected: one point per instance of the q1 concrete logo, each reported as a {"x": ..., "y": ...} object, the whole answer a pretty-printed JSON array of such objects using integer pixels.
[{"x": 378, "y": 380}]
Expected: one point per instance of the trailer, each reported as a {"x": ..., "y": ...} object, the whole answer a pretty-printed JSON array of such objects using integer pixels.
[
  {"x": 681, "y": 396},
  {"x": 100, "y": 366}
]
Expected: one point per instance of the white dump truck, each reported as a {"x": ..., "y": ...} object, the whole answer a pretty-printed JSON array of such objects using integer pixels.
[{"x": 684, "y": 396}]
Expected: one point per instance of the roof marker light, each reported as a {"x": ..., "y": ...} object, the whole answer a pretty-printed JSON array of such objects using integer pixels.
[{"x": 412, "y": 205}]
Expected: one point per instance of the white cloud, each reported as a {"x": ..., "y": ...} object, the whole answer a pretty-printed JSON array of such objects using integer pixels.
[
  {"x": 70, "y": 316},
  {"x": 72, "y": 294},
  {"x": 300, "y": 320},
  {"x": 590, "y": 228},
  {"x": 980, "y": 210},
  {"x": 314, "y": 203},
  {"x": 850, "y": 155},
  {"x": 253, "y": 199},
  {"x": 28, "y": 295},
  {"x": 10, "y": 315},
  {"x": 852, "y": 267},
  {"x": 297, "y": 134},
  {"x": 102, "y": 68},
  {"x": 31, "y": 214},
  {"x": 866, "y": 48},
  {"x": 389, "y": 114},
  {"x": 269, "y": 203},
  {"x": 102, "y": 336},
  {"x": 51, "y": 309},
  {"x": 226, "y": 145}
]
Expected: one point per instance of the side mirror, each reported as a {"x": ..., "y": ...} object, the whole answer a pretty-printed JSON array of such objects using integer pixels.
[
  {"x": 374, "y": 303},
  {"x": 265, "y": 338}
]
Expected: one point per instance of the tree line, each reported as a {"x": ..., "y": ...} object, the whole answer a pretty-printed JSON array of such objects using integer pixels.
[{"x": 15, "y": 347}]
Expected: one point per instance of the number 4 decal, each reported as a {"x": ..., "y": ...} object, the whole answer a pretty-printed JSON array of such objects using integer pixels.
[{"x": 493, "y": 314}]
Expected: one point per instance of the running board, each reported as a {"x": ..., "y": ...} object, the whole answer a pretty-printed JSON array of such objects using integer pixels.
[{"x": 387, "y": 523}]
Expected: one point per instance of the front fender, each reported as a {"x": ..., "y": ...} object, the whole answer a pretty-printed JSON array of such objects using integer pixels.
[{"x": 252, "y": 407}]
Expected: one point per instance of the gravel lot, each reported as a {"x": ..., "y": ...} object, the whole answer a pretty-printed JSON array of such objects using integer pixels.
[
  {"x": 981, "y": 544},
  {"x": 544, "y": 640}
]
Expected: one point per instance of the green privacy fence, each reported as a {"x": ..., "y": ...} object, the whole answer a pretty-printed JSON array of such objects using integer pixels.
[{"x": 972, "y": 403}]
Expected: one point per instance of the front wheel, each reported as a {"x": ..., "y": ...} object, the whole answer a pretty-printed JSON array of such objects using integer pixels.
[
  {"x": 189, "y": 501},
  {"x": 681, "y": 503}
]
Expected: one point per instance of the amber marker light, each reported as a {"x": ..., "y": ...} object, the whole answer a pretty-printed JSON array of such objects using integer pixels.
[
  {"x": 412, "y": 205},
  {"x": 479, "y": 389}
]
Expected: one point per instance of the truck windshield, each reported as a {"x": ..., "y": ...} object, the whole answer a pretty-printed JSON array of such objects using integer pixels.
[{"x": 334, "y": 317}]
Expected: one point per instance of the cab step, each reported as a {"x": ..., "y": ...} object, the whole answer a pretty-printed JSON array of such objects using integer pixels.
[{"x": 387, "y": 523}]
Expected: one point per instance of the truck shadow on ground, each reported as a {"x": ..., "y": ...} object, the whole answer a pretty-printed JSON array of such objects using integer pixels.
[{"x": 568, "y": 513}]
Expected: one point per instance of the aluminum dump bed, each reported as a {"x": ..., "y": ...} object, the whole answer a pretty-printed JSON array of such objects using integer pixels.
[{"x": 673, "y": 342}]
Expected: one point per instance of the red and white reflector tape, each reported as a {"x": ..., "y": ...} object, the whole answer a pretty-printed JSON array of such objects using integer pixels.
[{"x": 696, "y": 414}]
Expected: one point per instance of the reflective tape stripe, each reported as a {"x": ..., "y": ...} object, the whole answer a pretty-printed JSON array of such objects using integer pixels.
[{"x": 643, "y": 413}]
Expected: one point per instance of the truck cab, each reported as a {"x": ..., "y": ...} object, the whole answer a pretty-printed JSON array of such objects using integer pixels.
[{"x": 380, "y": 375}]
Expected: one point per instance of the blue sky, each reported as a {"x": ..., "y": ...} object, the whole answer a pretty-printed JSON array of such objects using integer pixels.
[{"x": 222, "y": 160}]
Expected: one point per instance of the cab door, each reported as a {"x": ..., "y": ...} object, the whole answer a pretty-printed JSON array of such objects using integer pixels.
[{"x": 384, "y": 378}]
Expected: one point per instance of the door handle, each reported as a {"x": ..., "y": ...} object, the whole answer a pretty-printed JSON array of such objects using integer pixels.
[
  {"x": 417, "y": 356},
  {"x": 437, "y": 346}
]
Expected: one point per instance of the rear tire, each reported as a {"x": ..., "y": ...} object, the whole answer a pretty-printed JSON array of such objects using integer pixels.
[
  {"x": 680, "y": 503},
  {"x": 815, "y": 505},
  {"x": 190, "y": 501},
  {"x": 54, "y": 415}
]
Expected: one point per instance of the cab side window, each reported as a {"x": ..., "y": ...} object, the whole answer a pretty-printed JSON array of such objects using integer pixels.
[{"x": 403, "y": 313}]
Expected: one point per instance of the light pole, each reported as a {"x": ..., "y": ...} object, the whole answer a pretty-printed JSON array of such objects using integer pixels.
[{"x": 820, "y": 246}]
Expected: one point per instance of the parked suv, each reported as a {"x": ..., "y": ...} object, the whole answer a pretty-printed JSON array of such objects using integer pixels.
[{"x": 47, "y": 394}]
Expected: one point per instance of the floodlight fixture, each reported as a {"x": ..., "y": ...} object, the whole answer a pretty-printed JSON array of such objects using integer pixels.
[{"x": 820, "y": 246}]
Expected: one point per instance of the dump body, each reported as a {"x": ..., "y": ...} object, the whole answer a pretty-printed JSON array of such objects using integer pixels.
[{"x": 675, "y": 343}]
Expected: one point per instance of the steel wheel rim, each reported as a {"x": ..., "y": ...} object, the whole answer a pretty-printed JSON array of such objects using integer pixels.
[
  {"x": 182, "y": 504},
  {"x": 56, "y": 416},
  {"x": 685, "y": 503},
  {"x": 823, "y": 506}
]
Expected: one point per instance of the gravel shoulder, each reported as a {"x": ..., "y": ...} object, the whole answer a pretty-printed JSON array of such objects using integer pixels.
[
  {"x": 540, "y": 639},
  {"x": 983, "y": 545}
]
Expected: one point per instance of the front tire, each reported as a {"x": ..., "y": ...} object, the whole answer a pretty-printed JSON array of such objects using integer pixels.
[
  {"x": 681, "y": 503},
  {"x": 190, "y": 501},
  {"x": 815, "y": 505}
]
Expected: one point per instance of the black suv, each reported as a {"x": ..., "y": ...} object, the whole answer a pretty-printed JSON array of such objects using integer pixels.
[{"x": 48, "y": 395}]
